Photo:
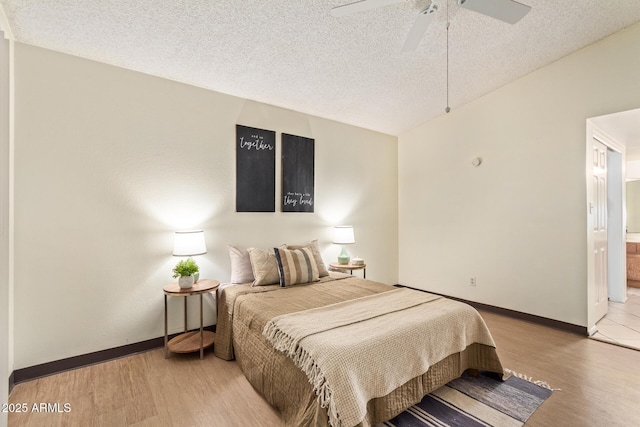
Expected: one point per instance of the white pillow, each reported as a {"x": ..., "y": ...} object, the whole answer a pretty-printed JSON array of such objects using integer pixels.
[{"x": 241, "y": 271}]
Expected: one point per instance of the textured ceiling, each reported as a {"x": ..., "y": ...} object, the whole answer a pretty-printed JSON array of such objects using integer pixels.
[{"x": 296, "y": 55}]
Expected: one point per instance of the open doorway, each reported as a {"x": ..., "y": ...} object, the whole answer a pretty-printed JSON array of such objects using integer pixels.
[{"x": 620, "y": 322}]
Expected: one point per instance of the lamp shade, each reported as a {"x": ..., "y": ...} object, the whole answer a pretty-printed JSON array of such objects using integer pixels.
[
  {"x": 343, "y": 235},
  {"x": 189, "y": 243}
]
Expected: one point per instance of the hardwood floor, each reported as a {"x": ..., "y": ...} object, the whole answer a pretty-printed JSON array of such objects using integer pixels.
[
  {"x": 599, "y": 385},
  {"x": 147, "y": 390}
]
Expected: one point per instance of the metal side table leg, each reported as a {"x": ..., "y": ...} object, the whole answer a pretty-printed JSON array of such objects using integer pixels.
[
  {"x": 201, "y": 331},
  {"x": 166, "y": 332}
]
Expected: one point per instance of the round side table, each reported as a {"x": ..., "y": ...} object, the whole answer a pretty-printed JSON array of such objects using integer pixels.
[
  {"x": 350, "y": 267},
  {"x": 188, "y": 342}
]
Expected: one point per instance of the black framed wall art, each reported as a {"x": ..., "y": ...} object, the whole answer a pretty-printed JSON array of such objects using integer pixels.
[
  {"x": 255, "y": 169},
  {"x": 297, "y": 173}
]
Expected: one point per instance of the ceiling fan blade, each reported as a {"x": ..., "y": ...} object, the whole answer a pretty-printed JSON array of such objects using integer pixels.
[
  {"x": 361, "y": 6},
  {"x": 505, "y": 10},
  {"x": 420, "y": 25}
]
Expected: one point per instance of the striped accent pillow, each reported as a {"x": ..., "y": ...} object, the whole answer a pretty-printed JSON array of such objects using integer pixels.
[
  {"x": 315, "y": 250},
  {"x": 296, "y": 266}
]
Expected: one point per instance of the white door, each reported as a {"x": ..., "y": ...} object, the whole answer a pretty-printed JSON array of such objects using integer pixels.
[{"x": 598, "y": 208}]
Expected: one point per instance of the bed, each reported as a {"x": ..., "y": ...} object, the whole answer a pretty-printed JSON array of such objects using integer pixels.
[{"x": 246, "y": 312}]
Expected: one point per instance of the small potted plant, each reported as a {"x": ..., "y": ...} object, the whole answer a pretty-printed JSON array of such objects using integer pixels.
[{"x": 185, "y": 272}]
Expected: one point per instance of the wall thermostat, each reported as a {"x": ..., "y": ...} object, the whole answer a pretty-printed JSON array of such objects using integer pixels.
[{"x": 476, "y": 162}]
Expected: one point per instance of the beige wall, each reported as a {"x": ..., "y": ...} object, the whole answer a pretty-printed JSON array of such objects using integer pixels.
[
  {"x": 110, "y": 162},
  {"x": 517, "y": 222}
]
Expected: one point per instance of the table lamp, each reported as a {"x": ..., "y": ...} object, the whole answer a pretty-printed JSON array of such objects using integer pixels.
[
  {"x": 343, "y": 235},
  {"x": 189, "y": 243}
]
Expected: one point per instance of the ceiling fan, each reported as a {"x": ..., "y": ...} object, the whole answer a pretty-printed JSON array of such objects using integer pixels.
[{"x": 505, "y": 10}]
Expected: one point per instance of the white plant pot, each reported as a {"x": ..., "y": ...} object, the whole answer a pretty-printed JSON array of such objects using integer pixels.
[{"x": 185, "y": 282}]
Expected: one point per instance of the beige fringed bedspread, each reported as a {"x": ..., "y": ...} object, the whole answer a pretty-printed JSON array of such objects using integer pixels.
[
  {"x": 399, "y": 332},
  {"x": 243, "y": 311}
]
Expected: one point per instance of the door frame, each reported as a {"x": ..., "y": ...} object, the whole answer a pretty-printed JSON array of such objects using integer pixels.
[
  {"x": 616, "y": 240},
  {"x": 6, "y": 211}
]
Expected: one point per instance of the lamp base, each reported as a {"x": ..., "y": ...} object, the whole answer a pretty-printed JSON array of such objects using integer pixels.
[{"x": 344, "y": 258}]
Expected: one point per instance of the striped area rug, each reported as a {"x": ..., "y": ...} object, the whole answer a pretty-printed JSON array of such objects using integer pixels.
[{"x": 475, "y": 401}]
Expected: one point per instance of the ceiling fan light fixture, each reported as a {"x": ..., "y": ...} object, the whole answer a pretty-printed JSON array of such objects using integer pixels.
[{"x": 505, "y": 10}]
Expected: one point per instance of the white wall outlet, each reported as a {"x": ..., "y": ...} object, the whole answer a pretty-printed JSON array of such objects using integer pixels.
[{"x": 472, "y": 282}]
